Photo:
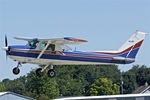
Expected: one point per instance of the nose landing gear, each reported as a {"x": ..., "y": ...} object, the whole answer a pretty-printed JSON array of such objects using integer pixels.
[{"x": 16, "y": 70}]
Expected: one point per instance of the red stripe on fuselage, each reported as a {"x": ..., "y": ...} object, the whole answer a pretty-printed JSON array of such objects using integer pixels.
[
  {"x": 60, "y": 53},
  {"x": 36, "y": 51},
  {"x": 137, "y": 45}
]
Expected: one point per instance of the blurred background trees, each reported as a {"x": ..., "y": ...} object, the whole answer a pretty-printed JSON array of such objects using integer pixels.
[{"x": 78, "y": 80}]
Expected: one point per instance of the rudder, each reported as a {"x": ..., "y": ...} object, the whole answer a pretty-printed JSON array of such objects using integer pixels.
[{"x": 131, "y": 47}]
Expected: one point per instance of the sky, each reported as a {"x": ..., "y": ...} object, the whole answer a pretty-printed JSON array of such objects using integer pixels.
[{"x": 106, "y": 24}]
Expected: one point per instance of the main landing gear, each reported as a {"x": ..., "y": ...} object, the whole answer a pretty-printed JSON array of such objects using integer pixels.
[
  {"x": 16, "y": 70},
  {"x": 51, "y": 72},
  {"x": 39, "y": 72}
]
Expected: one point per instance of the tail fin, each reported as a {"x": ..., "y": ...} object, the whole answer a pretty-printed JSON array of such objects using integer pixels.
[{"x": 131, "y": 47}]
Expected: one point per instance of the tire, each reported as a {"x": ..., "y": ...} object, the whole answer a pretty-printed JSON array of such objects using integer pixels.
[
  {"x": 39, "y": 72},
  {"x": 16, "y": 71},
  {"x": 51, "y": 73}
]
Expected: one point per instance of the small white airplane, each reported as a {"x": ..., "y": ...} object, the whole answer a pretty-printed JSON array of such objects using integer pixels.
[{"x": 51, "y": 52}]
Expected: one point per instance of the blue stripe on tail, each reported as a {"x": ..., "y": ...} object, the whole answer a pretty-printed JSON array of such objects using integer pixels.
[{"x": 132, "y": 54}]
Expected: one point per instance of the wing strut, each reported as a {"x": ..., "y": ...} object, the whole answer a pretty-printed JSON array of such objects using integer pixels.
[{"x": 43, "y": 50}]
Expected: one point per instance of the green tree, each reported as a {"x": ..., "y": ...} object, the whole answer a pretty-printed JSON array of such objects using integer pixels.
[
  {"x": 68, "y": 83},
  {"x": 70, "y": 80},
  {"x": 143, "y": 75},
  {"x": 14, "y": 86},
  {"x": 17, "y": 87},
  {"x": 51, "y": 89},
  {"x": 129, "y": 80},
  {"x": 80, "y": 77},
  {"x": 103, "y": 86},
  {"x": 40, "y": 86},
  {"x": 43, "y": 97},
  {"x": 135, "y": 77},
  {"x": 2, "y": 87}
]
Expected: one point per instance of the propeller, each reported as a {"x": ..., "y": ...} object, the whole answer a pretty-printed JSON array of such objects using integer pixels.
[
  {"x": 6, "y": 46},
  {"x": 6, "y": 42}
]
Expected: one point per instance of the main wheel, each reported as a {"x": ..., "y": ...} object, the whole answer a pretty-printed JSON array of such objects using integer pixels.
[
  {"x": 51, "y": 73},
  {"x": 16, "y": 70},
  {"x": 39, "y": 72}
]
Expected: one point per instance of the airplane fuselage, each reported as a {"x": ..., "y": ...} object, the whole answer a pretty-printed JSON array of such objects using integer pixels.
[{"x": 25, "y": 55}]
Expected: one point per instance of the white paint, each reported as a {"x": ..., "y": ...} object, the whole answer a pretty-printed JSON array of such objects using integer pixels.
[
  {"x": 50, "y": 61},
  {"x": 135, "y": 38}
]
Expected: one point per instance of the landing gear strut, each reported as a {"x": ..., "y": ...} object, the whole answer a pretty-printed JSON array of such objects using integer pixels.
[
  {"x": 39, "y": 71},
  {"x": 16, "y": 70}
]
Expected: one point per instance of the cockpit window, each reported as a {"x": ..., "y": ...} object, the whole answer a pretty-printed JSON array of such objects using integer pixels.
[
  {"x": 33, "y": 43},
  {"x": 51, "y": 47}
]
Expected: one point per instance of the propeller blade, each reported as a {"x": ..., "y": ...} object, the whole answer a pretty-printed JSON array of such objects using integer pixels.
[{"x": 6, "y": 43}]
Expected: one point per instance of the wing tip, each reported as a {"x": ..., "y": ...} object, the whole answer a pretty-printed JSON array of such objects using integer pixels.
[{"x": 75, "y": 39}]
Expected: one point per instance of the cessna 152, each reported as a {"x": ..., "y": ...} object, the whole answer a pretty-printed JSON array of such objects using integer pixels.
[{"x": 50, "y": 52}]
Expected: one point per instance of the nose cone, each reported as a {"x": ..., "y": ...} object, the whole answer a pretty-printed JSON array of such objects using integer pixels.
[{"x": 5, "y": 48}]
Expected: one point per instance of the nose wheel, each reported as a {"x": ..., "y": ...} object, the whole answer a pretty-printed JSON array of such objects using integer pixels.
[{"x": 16, "y": 70}]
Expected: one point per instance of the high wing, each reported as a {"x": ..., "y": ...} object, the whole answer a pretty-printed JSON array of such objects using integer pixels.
[
  {"x": 65, "y": 40},
  {"x": 57, "y": 41}
]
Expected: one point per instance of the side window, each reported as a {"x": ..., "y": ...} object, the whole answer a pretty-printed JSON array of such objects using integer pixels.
[
  {"x": 42, "y": 46},
  {"x": 51, "y": 47}
]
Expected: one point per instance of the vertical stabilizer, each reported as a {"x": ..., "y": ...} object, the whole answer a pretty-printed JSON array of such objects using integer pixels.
[{"x": 131, "y": 46}]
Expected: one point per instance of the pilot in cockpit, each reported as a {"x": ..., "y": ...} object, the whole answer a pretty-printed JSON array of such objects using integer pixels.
[
  {"x": 33, "y": 43},
  {"x": 51, "y": 47}
]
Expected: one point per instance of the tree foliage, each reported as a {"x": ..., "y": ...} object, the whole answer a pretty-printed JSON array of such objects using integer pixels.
[
  {"x": 135, "y": 77},
  {"x": 40, "y": 86},
  {"x": 103, "y": 86},
  {"x": 16, "y": 85},
  {"x": 2, "y": 87},
  {"x": 78, "y": 80},
  {"x": 81, "y": 77}
]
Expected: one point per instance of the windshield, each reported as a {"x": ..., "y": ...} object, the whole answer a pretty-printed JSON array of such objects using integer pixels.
[
  {"x": 33, "y": 43},
  {"x": 51, "y": 47}
]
